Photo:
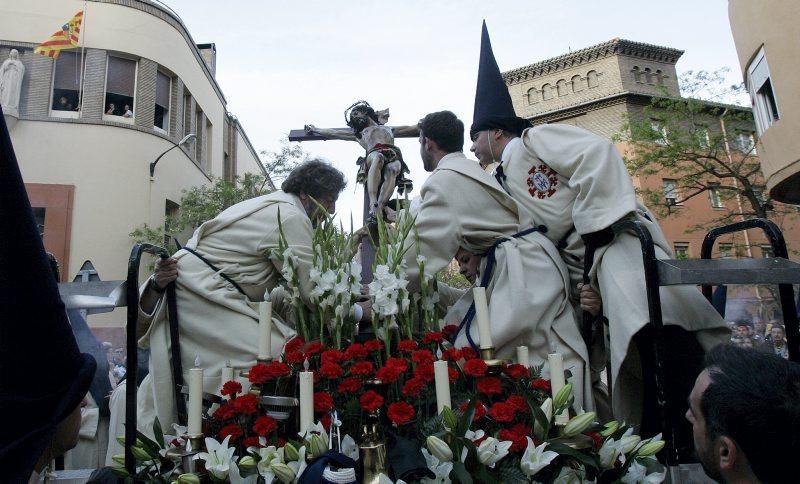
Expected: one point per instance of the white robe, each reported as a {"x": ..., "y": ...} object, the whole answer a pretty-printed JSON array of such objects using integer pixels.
[
  {"x": 575, "y": 182},
  {"x": 462, "y": 206},
  {"x": 217, "y": 323}
]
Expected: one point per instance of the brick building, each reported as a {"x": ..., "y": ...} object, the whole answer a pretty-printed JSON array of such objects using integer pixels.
[{"x": 600, "y": 88}]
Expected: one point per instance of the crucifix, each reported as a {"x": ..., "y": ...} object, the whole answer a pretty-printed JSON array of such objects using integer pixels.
[{"x": 381, "y": 169}]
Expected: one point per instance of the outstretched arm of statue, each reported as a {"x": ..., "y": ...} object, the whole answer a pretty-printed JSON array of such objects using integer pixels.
[
  {"x": 405, "y": 131},
  {"x": 330, "y": 133}
]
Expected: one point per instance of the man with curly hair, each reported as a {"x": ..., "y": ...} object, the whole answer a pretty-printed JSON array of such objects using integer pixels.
[
  {"x": 382, "y": 168},
  {"x": 222, "y": 274}
]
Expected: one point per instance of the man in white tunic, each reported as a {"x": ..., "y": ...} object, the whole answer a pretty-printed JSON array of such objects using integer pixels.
[
  {"x": 576, "y": 184},
  {"x": 218, "y": 297},
  {"x": 463, "y": 206}
]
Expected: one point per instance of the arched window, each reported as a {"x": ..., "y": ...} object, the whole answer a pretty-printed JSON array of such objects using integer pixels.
[
  {"x": 659, "y": 77},
  {"x": 577, "y": 83},
  {"x": 561, "y": 86},
  {"x": 591, "y": 79},
  {"x": 648, "y": 75},
  {"x": 547, "y": 92},
  {"x": 637, "y": 74},
  {"x": 533, "y": 95}
]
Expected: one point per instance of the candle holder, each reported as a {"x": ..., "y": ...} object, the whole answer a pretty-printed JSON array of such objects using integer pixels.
[
  {"x": 488, "y": 357},
  {"x": 185, "y": 455},
  {"x": 264, "y": 361}
]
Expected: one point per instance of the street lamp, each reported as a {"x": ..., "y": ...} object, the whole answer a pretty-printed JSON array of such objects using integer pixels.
[{"x": 185, "y": 140}]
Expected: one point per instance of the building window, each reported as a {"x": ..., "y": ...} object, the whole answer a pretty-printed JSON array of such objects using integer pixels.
[
  {"x": 702, "y": 137},
  {"x": 725, "y": 251},
  {"x": 207, "y": 136},
  {"x": 681, "y": 250},
  {"x": 199, "y": 124},
  {"x": 38, "y": 215},
  {"x": 547, "y": 91},
  {"x": 766, "y": 251},
  {"x": 745, "y": 143},
  {"x": 671, "y": 192},
  {"x": 561, "y": 86},
  {"x": 533, "y": 96},
  {"x": 67, "y": 84},
  {"x": 187, "y": 112},
  {"x": 591, "y": 79},
  {"x": 577, "y": 83},
  {"x": 659, "y": 132},
  {"x": 163, "y": 89},
  {"x": 120, "y": 87},
  {"x": 716, "y": 199},
  {"x": 762, "y": 95}
]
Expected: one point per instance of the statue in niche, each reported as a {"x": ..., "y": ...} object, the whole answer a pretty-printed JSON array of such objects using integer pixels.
[{"x": 11, "y": 73}]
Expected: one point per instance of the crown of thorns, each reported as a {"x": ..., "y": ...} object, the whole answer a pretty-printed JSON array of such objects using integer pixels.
[{"x": 359, "y": 106}]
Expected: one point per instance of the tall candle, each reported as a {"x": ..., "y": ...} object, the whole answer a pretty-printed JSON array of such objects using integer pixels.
[
  {"x": 482, "y": 315},
  {"x": 265, "y": 330},
  {"x": 442, "y": 379},
  {"x": 195, "y": 399},
  {"x": 522, "y": 356},
  {"x": 556, "y": 362},
  {"x": 306, "y": 401}
]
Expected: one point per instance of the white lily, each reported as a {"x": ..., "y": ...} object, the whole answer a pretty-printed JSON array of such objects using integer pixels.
[
  {"x": 299, "y": 465},
  {"x": 492, "y": 450},
  {"x": 440, "y": 469},
  {"x": 637, "y": 474},
  {"x": 235, "y": 475},
  {"x": 569, "y": 475},
  {"x": 268, "y": 455},
  {"x": 628, "y": 441},
  {"x": 609, "y": 453},
  {"x": 536, "y": 458},
  {"x": 315, "y": 428},
  {"x": 218, "y": 458},
  {"x": 350, "y": 448}
]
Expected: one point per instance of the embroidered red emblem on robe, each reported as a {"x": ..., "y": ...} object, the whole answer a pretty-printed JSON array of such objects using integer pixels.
[{"x": 542, "y": 181}]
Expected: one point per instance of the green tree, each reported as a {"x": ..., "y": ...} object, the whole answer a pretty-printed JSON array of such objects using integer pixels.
[{"x": 279, "y": 163}]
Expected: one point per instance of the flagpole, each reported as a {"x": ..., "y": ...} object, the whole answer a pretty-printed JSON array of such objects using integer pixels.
[{"x": 83, "y": 59}]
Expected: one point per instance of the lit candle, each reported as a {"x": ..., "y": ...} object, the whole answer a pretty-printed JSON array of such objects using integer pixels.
[
  {"x": 442, "y": 379},
  {"x": 556, "y": 362},
  {"x": 482, "y": 315},
  {"x": 227, "y": 372},
  {"x": 195, "y": 399},
  {"x": 306, "y": 399},
  {"x": 265, "y": 330},
  {"x": 522, "y": 356}
]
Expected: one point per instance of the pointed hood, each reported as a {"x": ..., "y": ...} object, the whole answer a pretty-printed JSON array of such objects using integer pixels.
[
  {"x": 493, "y": 107},
  {"x": 43, "y": 376}
]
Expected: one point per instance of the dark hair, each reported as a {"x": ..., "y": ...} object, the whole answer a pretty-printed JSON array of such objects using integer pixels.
[
  {"x": 315, "y": 178},
  {"x": 754, "y": 398},
  {"x": 445, "y": 129},
  {"x": 361, "y": 106}
]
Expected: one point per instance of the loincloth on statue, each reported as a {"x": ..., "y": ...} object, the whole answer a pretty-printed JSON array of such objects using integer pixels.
[{"x": 390, "y": 153}]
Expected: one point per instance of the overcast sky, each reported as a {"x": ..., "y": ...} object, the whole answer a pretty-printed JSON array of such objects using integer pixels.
[{"x": 285, "y": 64}]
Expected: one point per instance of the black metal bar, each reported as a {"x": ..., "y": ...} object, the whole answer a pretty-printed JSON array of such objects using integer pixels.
[
  {"x": 654, "y": 308},
  {"x": 785, "y": 291},
  {"x": 131, "y": 364}
]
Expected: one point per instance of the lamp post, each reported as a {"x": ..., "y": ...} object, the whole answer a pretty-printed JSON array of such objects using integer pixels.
[{"x": 186, "y": 139}]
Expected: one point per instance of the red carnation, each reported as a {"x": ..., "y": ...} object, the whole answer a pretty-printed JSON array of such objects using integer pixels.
[
  {"x": 480, "y": 410},
  {"x": 332, "y": 356},
  {"x": 450, "y": 330},
  {"x": 517, "y": 435},
  {"x": 225, "y": 411},
  {"x": 517, "y": 371},
  {"x": 294, "y": 358},
  {"x": 325, "y": 420},
  {"x": 279, "y": 369},
  {"x": 502, "y": 412},
  {"x": 373, "y": 345},
  {"x": 407, "y": 346},
  {"x": 413, "y": 386},
  {"x": 542, "y": 384},
  {"x": 400, "y": 413},
  {"x": 425, "y": 372},
  {"x": 451, "y": 354},
  {"x": 370, "y": 401},
  {"x": 422, "y": 356},
  {"x": 312, "y": 348},
  {"x": 294, "y": 344},
  {"x": 331, "y": 370},
  {"x": 452, "y": 374},
  {"x": 259, "y": 374},
  {"x": 399, "y": 363},
  {"x": 356, "y": 351},
  {"x": 490, "y": 385},
  {"x": 265, "y": 425},
  {"x": 597, "y": 439},
  {"x": 323, "y": 402},
  {"x": 231, "y": 429},
  {"x": 349, "y": 385},
  {"x": 518, "y": 403},
  {"x": 251, "y": 442},
  {"x": 475, "y": 367},
  {"x": 388, "y": 374},
  {"x": 433, "y": 337},
  {"x": 362, "y": 368},
  {"x": 468, "y": 353},
  {"x": 231, "y": 388},
  {"x": 245, "y": 404}
]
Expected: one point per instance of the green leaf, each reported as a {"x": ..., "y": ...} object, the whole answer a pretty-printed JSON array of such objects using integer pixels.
[
  {"x": 460, "y": 473},
  {"x": 158, "y": 433},
  {"x": 148, "y": 445},
  {"x": 466, "y": 418},
  {"x": 585, "y": 459}
]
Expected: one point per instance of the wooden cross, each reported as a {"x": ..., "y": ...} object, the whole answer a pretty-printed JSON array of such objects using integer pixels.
[{"x": 367, "y": 251}]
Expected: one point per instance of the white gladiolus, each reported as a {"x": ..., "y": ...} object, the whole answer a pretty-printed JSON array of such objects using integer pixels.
[
  {"x": 218, "y": 458},
  {"x": 536, "y": 458},
  {"x": 492, "y": 450}
]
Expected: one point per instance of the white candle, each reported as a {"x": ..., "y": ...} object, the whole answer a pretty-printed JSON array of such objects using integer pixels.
[
  {"x": 522, "y": 356},
  {"x": 306, "y": 401},
  {"x": 556, "y": 362},
  {"x": 227, "y": 373},
  {"x": 195, "y": 399},
  {"x": 265, "y": 330},
  {"x": 482, "y": 315},
  {"x": 442, "y": 379}
]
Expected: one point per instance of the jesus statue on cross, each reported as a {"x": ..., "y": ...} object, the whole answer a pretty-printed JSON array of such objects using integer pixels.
[{"x": 382, "y": 168}]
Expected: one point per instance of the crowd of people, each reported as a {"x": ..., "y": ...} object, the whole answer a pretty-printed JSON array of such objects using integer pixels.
[{"x": 760, "y": 336}]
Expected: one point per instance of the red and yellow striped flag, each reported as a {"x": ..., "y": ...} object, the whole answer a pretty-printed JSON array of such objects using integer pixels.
[{"x": 66, "y": 38}]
